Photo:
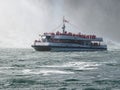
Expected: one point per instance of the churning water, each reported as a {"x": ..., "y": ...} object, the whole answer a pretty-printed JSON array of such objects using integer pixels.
[{"x": 26, "y": 69}]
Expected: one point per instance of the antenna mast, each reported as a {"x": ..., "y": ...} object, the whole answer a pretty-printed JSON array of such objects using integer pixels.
[{"x": 63, "y": 24}]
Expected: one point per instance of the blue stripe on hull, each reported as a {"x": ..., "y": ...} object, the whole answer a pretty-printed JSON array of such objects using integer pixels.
[
  {"x": 75, "y": 49},
  {"x": 59, "y": 48}
]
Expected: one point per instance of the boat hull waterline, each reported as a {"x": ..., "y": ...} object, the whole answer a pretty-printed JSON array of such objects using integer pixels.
[{"x": 59, "y": 48}]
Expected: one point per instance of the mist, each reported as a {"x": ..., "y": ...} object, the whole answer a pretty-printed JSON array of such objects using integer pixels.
[
  {"x": 99, "y": 16},
  {"x": 22, "y": 21}
]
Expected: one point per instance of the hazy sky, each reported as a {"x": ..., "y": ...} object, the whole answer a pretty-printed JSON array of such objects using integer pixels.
[{"x": 22, "y": 20}]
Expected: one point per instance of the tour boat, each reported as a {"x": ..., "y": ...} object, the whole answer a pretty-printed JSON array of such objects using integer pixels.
[{"x": 68, "y": 41}]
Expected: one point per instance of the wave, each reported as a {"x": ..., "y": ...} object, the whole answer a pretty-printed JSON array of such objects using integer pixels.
[
  {"x": 6, "y": 68},
  {"x": 75, "y": 65},
  {"x": 45, "y": 72}
]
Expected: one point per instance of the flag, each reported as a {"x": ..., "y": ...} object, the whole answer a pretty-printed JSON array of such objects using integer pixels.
[{"x": 64, "y": 20}]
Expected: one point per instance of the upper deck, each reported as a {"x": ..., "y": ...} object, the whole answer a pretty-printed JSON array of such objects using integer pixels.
[
  {"x": 71, "y": 36},
  {"x": 64, "y": 35}
]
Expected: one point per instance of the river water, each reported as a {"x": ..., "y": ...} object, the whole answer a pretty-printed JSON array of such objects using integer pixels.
[{"x": 26, "y": 69}]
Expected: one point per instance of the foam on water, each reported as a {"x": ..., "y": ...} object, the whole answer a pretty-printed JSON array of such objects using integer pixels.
[
  {"x": 45, "y": 72},
  {"x": 76, "y": 65},
  {"x": 6, "y": 68}
]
